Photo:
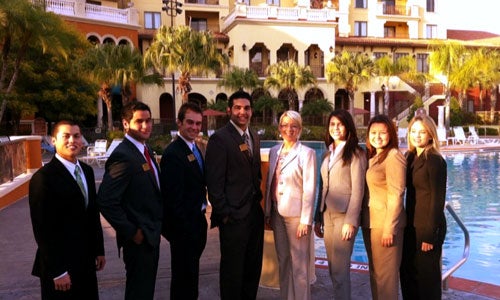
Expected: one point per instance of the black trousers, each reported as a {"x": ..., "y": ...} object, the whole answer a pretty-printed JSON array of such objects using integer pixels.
[
  {"x": 141, "y": 265},
  {"x": 186, "y": 247},
  {"x": 241, "y": 245},
  {"x": 420, "y": 272}
]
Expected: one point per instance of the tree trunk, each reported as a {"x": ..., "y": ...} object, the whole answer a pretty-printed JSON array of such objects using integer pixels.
[
  {"x": 493, "y": 98},
  {"x": 351, "y": 103}
]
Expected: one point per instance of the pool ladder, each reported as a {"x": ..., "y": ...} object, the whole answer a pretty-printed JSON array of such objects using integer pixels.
[{"x": 445, "y": 276}]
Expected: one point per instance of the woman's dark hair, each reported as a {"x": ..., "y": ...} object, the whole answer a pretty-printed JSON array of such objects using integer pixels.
[
  {"x": 352, "y": 142},
  {"x": 393, "y": 137}
]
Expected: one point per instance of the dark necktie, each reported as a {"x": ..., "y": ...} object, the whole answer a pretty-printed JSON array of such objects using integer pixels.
[
  {"x": 246, "y": 138},
  {"x": 79, "y": 180},
  {"x": 197, "y": 154}
]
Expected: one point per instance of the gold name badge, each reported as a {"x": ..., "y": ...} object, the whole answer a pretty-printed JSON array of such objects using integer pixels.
[
  {"x": 145, "y": 167},
  {"x": 243, "y": 147},
  {"x": 191, "y": 157}
]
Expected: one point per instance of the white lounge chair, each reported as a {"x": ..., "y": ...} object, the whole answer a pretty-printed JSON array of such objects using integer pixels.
[
  {"x": 459, "y": 136},
  {"x": 98, "y": 149},
  {"x": 475, "y": 139},
  {"x": 101, "y": 160},
  {"x": 402, "y": 135}
]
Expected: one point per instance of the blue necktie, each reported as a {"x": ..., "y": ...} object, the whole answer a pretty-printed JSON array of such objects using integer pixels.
[{"x": 197, "y": 154}]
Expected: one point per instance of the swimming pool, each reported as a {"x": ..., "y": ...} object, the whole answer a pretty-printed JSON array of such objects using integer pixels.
[{"x": 472, "y": 191}]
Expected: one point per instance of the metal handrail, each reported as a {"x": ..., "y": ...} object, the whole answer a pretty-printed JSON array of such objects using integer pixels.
[{"x": 445, "y": 276}]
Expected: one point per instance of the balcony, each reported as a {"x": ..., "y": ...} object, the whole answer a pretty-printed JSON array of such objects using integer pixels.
[
  {"x": 80, "y": 9},
  {"x": 203, "y": 2},
  {"x": 243, "y": 11}
]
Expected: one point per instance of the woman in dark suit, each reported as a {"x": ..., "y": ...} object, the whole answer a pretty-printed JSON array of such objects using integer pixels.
[
  {"x": 383, "y": 216},
  {"x": 426, "y": 228},
  {"x": 342, "y": 186}
]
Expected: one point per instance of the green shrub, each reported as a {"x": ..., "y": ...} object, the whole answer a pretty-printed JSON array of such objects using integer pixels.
[{"x": 159, "y": 142}]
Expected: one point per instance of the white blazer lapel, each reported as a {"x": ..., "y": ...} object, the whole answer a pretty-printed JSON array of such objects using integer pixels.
[{"x": 291, "y": 155}]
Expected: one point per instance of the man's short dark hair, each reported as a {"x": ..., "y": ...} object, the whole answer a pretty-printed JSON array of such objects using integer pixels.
[
  {"x": 129, "y": 109},
  {"x": 55, "y": 130},
  {"x": 191, "y": 106},
  {"x": 239, "y": 95}
]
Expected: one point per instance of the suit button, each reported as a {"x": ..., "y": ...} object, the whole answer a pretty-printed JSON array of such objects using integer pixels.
[{"x": 280, "y": 193}]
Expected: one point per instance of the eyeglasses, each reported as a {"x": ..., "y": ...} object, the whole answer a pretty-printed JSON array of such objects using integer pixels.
[{"x": 291, "y": 126}]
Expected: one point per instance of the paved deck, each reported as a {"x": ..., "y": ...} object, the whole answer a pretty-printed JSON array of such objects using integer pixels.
[{"x": 17, "y": 250}]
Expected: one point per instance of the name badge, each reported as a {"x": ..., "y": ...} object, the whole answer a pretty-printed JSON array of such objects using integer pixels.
[
  {"x": 243, "y": 147},
  {"x": 145, "y": 167},
  {"x": 191, "y": 157}
]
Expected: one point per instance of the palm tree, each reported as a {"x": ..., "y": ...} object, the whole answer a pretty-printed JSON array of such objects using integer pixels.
[
  {"x": 289, "y": 77},
  {"x": 24, "y": 26},
  {"x": 447, "y": 58},
  {"x": 266, "y": 103},
  {"x": 405, "y": 67},
  {"x": 113, "y": 65},
  {"x": 239, "y": 79},
  {"x": 483, "y": 70},
  {"x": 180, "y": 49},
  {"x": 350, "y": 70}
]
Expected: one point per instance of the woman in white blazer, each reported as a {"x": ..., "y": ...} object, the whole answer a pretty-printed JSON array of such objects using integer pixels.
[
  {"x": 342, "y": 185},
  {"x": 289, "y": 204}
]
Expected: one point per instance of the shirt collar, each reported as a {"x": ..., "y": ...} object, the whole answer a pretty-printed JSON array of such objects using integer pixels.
[
  {"x": 190, "y": 144},
  {"x": 140, "y": 146},
  {"x": 68, "y": 164},
  {"x": 241, "y": 132}
]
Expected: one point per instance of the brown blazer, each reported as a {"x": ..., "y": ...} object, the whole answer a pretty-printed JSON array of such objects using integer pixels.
[{"x": 383, "y": 205}]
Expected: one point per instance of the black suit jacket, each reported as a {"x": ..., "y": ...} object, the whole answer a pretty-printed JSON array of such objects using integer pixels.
[
  {"x": 425, "y": 196},
  {"x": 69, "y": 236},
  {"x": 183, "y": 189},
  {"x": 233, "y": 176},
  {"x": 129, "y": 196}
]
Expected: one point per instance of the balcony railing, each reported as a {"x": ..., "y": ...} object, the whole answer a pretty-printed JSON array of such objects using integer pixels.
[
  {"x": 206, "y": 2},
  {"x": 400, "y": 10},
  {"x": 242, "y": 10},
  {"x": 90, "y": 11}
]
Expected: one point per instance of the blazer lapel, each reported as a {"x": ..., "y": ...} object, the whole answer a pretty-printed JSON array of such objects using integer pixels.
[
  {"x": 188, "y": 154},
  {"x": 239, "y": 141},
  {"x": 291, "y": 155},
  {"x": 61, "y": 169}
]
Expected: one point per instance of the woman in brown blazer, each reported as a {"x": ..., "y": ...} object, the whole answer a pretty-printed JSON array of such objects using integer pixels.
[
  {"x": 383, "y": 216},
  {"x": 425, "y": 197}
]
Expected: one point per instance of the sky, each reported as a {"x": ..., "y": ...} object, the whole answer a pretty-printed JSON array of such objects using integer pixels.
[{"x": 480, "y": 15}]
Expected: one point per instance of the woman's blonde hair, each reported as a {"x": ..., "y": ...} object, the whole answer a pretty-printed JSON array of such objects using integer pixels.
[
  {"x": 430, "y": 127},
  {"x": 294, "y": 116}
]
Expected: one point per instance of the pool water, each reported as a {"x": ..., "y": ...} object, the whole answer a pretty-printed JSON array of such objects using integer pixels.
[{"x": 472, "y": 189}]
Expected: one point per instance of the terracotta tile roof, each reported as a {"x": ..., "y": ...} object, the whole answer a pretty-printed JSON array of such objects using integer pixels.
[{"x": 469, "y": 35}]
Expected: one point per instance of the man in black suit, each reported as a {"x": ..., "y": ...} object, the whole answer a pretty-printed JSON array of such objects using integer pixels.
[
  {"x": 129, "y": 198},
  {"x": 233, "y": 181},
  {"x": 184, "y": 192},
  {"x": 66, "y": 221}
]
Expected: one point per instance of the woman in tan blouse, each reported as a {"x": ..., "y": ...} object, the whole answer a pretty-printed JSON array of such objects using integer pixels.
[{"x": 383, "y": 216}]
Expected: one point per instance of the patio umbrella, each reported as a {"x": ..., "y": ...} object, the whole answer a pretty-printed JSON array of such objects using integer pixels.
[
  {"x": 210, "y": 114},
  {"x": 213, "y": 113},
  {"x": 360, "y": 111}
]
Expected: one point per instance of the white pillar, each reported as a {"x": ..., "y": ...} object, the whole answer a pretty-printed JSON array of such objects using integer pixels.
[
  {"x": 372, "y": 104},
  {"x": 440, "y": 116}
]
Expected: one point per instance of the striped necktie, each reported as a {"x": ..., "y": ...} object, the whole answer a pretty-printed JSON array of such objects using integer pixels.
[
  {"x": 246, "y": 138},
  {"x": 79, "y": 180}
]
